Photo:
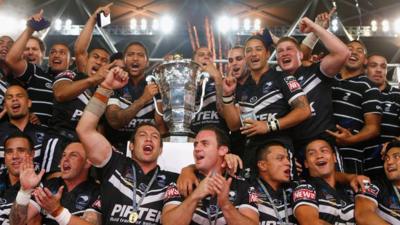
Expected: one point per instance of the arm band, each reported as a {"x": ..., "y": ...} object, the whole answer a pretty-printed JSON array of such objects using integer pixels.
[
  {"x": 227, "y": 99},
  {"x": 23, "y": 197},
  {"x": 310, "y": 40},
  {"x": 98, "y": 103}
]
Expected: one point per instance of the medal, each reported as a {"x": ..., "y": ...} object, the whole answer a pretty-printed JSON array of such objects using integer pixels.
[{"x": 133, "y": 217}]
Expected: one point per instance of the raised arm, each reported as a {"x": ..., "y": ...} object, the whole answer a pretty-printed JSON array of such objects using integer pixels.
[
  {"x": 97, "y": 146},
  {"x": 14, "y": 57},
  {"x": 338, "y": 52},
  {"x": 82, "y": 43},
  {"x": 365, "y": 212},
  {"x": 230, "y": 112},
  {"x": 118, "y": 117},
  {"x": 66, "y": 89}
]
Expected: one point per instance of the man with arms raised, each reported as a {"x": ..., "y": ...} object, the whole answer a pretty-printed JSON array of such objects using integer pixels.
[
  {"x": 380, "y": 203},
  {"x": 132, "y": 189},
  {"x": 73, "y": 192},
  {"x": 316, "y": 81},
  {"x": 133, "y": 103}
]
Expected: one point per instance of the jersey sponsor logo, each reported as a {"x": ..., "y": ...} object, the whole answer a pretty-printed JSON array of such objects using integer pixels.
[
  {"x": 120, "y": 214},
  {"x": 304, "y": 194},
  {"x": 171, "y": 192},
  {"x": 82, "y": 202},
  {"x": 77, "y": 115},
  {"x": 372, "y": 190},
  {"x": 292, "y": 83},
  {"x": 136, "y": 121},
  {"x": 266, "y": 116},
  {"x": 266, "y": 87},
  {"x": 207, "y": 115},
  {"x": 39, "y": 137}
]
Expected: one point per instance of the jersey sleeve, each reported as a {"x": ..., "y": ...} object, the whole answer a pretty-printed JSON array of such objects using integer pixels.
[
  {"x": 371, "y": 101},
  {"x": 250, "y": 199},
  {"x": 304, "y": 194},
  {"x": 29, "y": 72},
  {"x": 172, "y": 195},
  {"x": 371, "y": 192},
  {"x": 109, "y": 166},
  {"x": 291, "y": 88},
  {"x": 114, "y": 99}
]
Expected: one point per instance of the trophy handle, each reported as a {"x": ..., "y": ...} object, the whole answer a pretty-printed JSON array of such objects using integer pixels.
[
  {"x": 149, "y": 80},
  {"x": 204, "y": 76}
]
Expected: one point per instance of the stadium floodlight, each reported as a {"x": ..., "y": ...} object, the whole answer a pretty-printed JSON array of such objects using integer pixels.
[
  {"x": 396, "y": 26},
  {"x": 133, "y": 24},
  {"x": 68, "y": 24},
  {"x": 156, "y": 25},
  {"x": 335, "y": 24},
  {"x": 374, "y": 26},
  {"x": 58, "y": 24},
  {"x": 235, "y": 24},
  {"x": 247, "y": 24},
  {"x": 167, "y": 24},
  {"x": 257, "y": 24},
  {"x": 143, "y": 24},
  {"x": 385, "y": 26},
  {"x": 223, "y": 24}
]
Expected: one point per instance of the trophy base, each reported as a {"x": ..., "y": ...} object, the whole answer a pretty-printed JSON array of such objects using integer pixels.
[{"x": 178, "y": 139}]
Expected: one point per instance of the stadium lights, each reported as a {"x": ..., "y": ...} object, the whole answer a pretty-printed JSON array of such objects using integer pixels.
[
  {"x": 58, "y": 24},
  {"x": 374, "y": 26},
  {"x": 156, "y": 25},
  {"x": 167, "y": 24},
  {"x": 246, "y": 24},
  {"x": 385, "y": 26},
  {"x": 396, "y": 26},
  {"x": 133, "y": 24},
  {"x": 235, "y": 24},
  {"x": 223, "y": 24},
  {"x": 257, "y": 24},
  {"x": 143, "y": 24},
  {"x": 68, "y": 24},
  {"x": 335, "y": 24}
]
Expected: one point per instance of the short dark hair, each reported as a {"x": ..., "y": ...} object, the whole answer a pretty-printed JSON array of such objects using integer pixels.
[
  {"x": 117, "y": 55},
  {"x": 41, "y": 43},
  {"x": 361, "y": 43},
  {"x": 139, "y": 44},
  {"x": 259, "y": 38},
  {"x": 376, "y": 54},
  {"x": 99, "y": 48},
  {"x": 289, "y": 39},
  {"x": 142, "y": 124},
  {"x": 221, "y": 136},
  {"x": 264, "y": 149},
  {"x": 197, "y": 49},
  {"x": 19, "y": 134},
  {"x": 330, "y": 144},
  {"x": 392, "y": 144}
]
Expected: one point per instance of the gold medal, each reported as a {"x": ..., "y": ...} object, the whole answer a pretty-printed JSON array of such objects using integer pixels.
[{"x": 133, "y": 217}]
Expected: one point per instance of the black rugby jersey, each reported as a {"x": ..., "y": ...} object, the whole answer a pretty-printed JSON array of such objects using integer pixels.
[
  {"x": 241, "y": 195},
  {"x": 335, "y": 206},
  {"x": 271, "y": 97},
  {"x": 66, "y": 115},
  {"x": 39, "y": 87},
  {"x": 317, "y": 87},
  {"x": 352, "y": 98},
  {"x": 3, "y": 89},
  {"x": 123, "y": 98},
  {"x": 390, "y": 124},
  {"x": 37, "y": 133},
  {"x": 209, "y": 114},
  {"x": 265, "y": 208},
  {"x": 77, "y": 201},
  {"x": 8, "y": 193},
  {"x": 381, "y": 192},
  {"x": 117, "y": 194}
]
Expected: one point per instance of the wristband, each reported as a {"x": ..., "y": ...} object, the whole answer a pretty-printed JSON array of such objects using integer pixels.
[
  {"x": 227, "y": 99},
  {"x": 64, "y": 217},
  {"x": 273, "y": 125},
  {"x": 98, "y": 103},
  {"x": 23, "y": 197},
  {"x": 310, "y": 40}
]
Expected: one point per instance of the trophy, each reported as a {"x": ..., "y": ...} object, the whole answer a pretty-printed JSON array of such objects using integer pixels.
[{"x": 178, "y": 80}]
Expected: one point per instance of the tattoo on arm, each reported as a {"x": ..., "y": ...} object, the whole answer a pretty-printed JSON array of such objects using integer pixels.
[
  {"x": 300, "y": 102},
  {"x": 18, "y": 215}
]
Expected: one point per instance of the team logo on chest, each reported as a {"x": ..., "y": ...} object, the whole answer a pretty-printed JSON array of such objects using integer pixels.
[
  {"x": 82, "y": 201},
  {"x": 346, "y": 96},
  {"x": 253, "y": 99},
  {"x": 387, "y": 107},
  {"x": 266, "y": 87}
]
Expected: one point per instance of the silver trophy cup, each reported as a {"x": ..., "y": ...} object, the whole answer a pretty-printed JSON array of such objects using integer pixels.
[{"x": 178, "y": 81}]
